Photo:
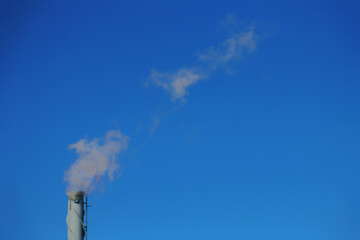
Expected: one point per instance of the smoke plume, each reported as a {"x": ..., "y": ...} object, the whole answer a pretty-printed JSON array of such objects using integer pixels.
[
  {"x": 176, "y": 83},
  {"x": 96, "y": 159},
  {"x": 230, "y": 50}
]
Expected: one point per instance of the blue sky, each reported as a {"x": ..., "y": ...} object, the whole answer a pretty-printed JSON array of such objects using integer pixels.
[{"x": 259, "y": 139}]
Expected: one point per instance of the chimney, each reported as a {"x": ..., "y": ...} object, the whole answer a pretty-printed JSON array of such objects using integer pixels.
[{"x": 75, "y": 216}]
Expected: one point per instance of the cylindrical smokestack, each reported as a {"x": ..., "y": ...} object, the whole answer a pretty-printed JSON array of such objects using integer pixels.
[{"x": 75, "y": 216}]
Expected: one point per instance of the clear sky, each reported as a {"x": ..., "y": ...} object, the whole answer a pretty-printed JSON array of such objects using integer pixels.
[{"x": 243, "y": 117}]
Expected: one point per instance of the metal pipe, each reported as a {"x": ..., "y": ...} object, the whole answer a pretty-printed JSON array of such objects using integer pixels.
[
  {"x": 86, "y": 227},
  {"x": 75, "y": 216}
]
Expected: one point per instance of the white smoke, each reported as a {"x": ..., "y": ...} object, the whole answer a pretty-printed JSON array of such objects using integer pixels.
[
  {"x": 230, "y": 50},
  {"x": 176, "y": 83},
  {"x": 97, "y": 158}
]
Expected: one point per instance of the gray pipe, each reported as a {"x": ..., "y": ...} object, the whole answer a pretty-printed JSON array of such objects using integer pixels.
[{"x": 75, "y": 216}]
